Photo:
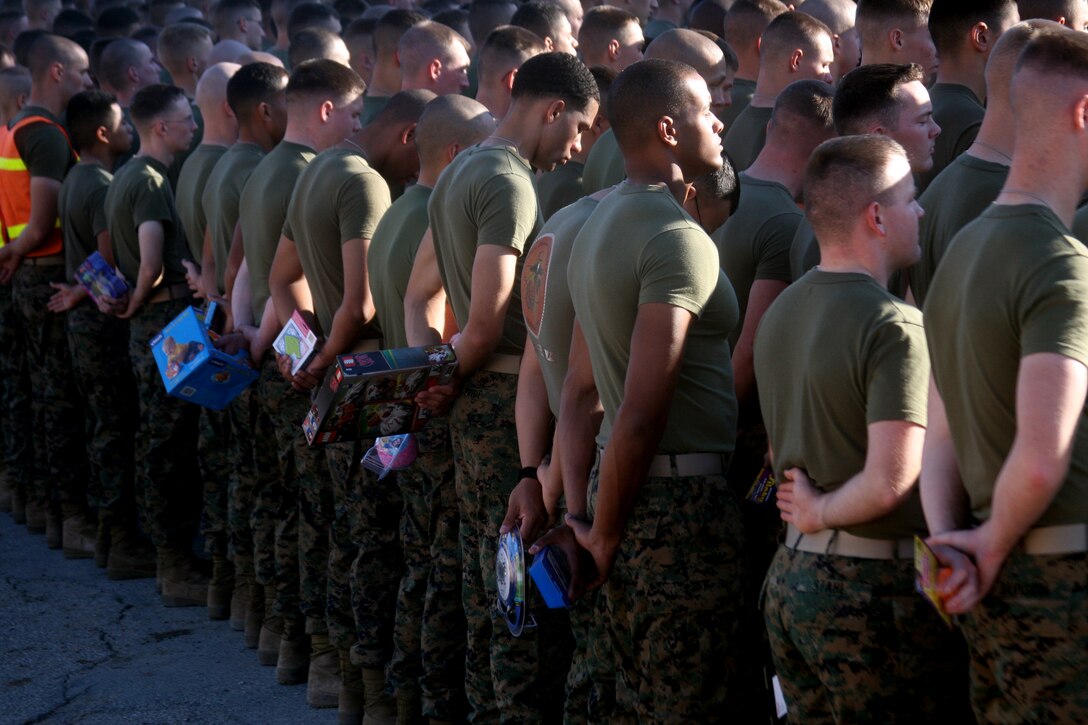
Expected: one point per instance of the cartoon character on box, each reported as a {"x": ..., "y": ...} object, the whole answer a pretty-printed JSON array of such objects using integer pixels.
[{"x": 179, "y": 354}]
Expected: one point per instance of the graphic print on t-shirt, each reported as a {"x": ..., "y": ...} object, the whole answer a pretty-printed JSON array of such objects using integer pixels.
[{"x": 534, "y": 281}]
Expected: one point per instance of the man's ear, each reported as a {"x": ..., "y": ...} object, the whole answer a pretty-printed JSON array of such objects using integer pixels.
[
  {"x": 408, "y": 134},
  {"x": 613, "y": 49},
  {"x": 874, "y": 218},
  {"x": 555, "y": 110},
  {"x": 452, "y": 150},
  {"x": 102, "y": 135},
  {"x": 192, "y": 65},
  {"x": 325, "y": 110},
  {"x": 666, "y": 130},
  {"x": 795, "y": 59},
  {"x": 549, "y": 45},
  {"x": 434, "y": 69},
  {"x": 980, "y": 37},
  {"x": 895, "y": 38},
  {"x": 508, "y": 79}
]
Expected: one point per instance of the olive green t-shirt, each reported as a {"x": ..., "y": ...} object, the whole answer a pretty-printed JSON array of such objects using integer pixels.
[
  {"x": 747, "y": 135},
  {"x": 338, "y": 197},
  {"x": 804, "y": 250},
  {"x": 262, "y": 209},
  {"x": 834, "y": 353},
  {"x": 81, "y": 207},
  {"x": 958, "y": 111},
  {"x": 390, "y": 257},
  {"x": 42, "y": 146},
  {"x": 640, "y": 247},
  {"x": 754, "y": 243},
  {"x": 954, "y": 199},
  {"x": 486, "y": 196},
  {"x": 372, "y": 106},
  {"x": 140, "y": 192},
  {"x": 222, "y": 192},
  {"x": 1080, "y": 224},
  {"x": 549, "y": 314},
  {"x": 740, "y": 97},
  {"x": 560, "y": 187},
  {"x": 192, "y": 181},
  {"x": 1013, "y": 283},
  {"x": 604, "y": 165}
]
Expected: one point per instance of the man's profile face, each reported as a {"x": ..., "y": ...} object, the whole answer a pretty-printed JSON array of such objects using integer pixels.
[
  {"x": 698, "y": 132},
  {"x": 918, "y": 48},
  {"x": 818, "y": 65},
  {"x": 901, "y": 213},
  {"x": 562, "y": 136},
  {"x": 119, "y": 130},
  {"x": 180, "y": 126},
  {"x": 631, "y": 40},
  {"x": 916, "y": 131},
  {"x": 454, "y": 76}
]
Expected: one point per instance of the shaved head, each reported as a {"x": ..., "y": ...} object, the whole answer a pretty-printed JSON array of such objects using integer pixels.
[
  {"x": 1002, "y": 61},
  {"x": 838, "y": 15},
  {"x": 50, "y": 49},
  {"x": 228, "y": 51},
  {"x": 211, "y": 89},
  {"x": 686, "y": 46},
  {"x": 451, "y": 120}
]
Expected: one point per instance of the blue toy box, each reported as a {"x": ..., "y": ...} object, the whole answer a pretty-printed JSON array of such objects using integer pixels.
[
  {"x": 192, "y": 368},
  {"x": 100, "y": 279}
]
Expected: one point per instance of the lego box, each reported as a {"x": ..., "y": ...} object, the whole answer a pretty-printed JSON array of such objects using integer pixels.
[
  {"x": 372, "y": 394},
  {"x": 100, "y": 279},
  {"x": 192, "y": 368}
]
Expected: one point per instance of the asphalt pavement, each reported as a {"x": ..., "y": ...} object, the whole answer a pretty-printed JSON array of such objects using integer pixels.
[{"x": 76, "y": 647}]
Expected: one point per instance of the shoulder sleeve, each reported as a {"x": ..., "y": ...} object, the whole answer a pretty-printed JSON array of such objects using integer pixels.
[
  {"x": 507, "y": 211},
  {"x": 361, "y": 203},
  {"x": 151, "y": 203},
  {"x": 678, "y": 267},
  {"x": 896, "y": 372},
  {"x": 773, "y": 243},
  {"x": 44, "y": 149},
  {"x": 1054, "y": 309}
]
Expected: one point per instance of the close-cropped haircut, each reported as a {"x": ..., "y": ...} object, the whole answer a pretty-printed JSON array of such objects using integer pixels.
[
  {"x": 486, "y": 15},
  {"x": 153, "y": 101},
  {"x": 307, "y": 15},
  {"x": 24, "y": 43},
  {"x": 720, "y": 184},
  {"x": 14, "y": 82},
  {"x": 543, "y": 18},
  {"x": 604, "y": 77},
  {"x": 311, "y": 44},
  {"x": 871, "y": 92},
  {"x": 1047, "y": 9},
  {"x": 556, "y": 75},
  {"x": 790, "y": 31},
  {"x": 746, "y": 20},
  {"x": 227, "y": 12},
  {"x": 451, "y": 119},
  {"x": 360, "y": 28},
  {"x": 810, "y": 101},
  {"x": 117, "y": 58},
  {"x": 71, "y": 21},
  {"x": 507, "y": 46},
  {"x": 391, "y": 27},
  {"x": 324, "y": 79},
  {"x": 1001, "y": 64},
  {"x": 86, "y": 113},
  {"x": 253, "y": 84},
  {"x": 844, "y": 175},
  {"x": 880, "y": 15},
  {"x": 642, "y": 94},
  {"x": 950, "y": 20},
  {"x": 176, "y": 42},
  {"x": 603, "y": 23},
  {"x": 403, "y": 107},
  {"x": 43, "y": 51},
  {"x": 423, "y": 42},
  {"x": 117, "y": 21},
  {"x": 1056, "y": 52},
  {"x": 838, "y": 15}
]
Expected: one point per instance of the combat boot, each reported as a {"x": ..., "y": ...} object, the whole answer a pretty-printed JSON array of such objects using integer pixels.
[
  {"x": 255, "y": 614},
  {"x": 35, "y": 517},
  {"x": 18, "y": 506},
  {"x": 352, "y": 698},
  {"x": 102, "y": 544},
  {"x": 129, "y": 557},
  {"x": 78, "y": 534},
  {"x": 409, "y": 708},
  {"x": 239, "y": 602},
  {"x": 54, "y": 531},
  {"x": 268, "y": 643},
  {"x": 182, "y": 584},
  {"x": 220, "y": 588},
  {"x": 380, "y": 708},
  {"x": 323, "y": 679},
  {"x": 293, "y": 661}
]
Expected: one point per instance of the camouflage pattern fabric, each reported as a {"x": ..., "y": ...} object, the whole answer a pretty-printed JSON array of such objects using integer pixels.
[
  {"x": 59, "y": 461},
  {"x": 98, "y": 345},
  {"x": 168, "y": 488},
  {"x": 507, "y": 678},
  {"x": 214, "y": 456},
  {"x": 250, "y": 532},
  {"x": 1028, "y": 642},
  {"x": 853, "y": 642},
  {"x": 429, "y": 634},
  {"x": 18, "y": 448}
]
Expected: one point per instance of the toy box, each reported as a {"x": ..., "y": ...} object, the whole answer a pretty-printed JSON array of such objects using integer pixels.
[
  {"x": 192, "y": 368},
  {"x": 297, "y": 341},
  {"x": 372, "y": 394},
  {"x": 100, "y": 279}
]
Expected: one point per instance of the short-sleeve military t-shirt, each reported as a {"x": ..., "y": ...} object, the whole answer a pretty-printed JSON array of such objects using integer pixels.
[
  {"x": 372, "y": 106},
  {"x": 834, "y": 353},
  {"x": 740, "y": 97},
  {"x": 43, "y": 147},
  {"x": 640, "y": 247},
  {"x": 82, "y": 211},
  {"x": 754, "y": 243},
  {"x": 604, "y": 165},
  {"x": 1080, "y": 224},
  {"x": 140, "y": 193},
  {"x": 338, "y": 197},
  {"x": 958, "y": 112},
  {"x": 221, "y": 197},
  {"x": 192, "y": 181},
  {"x": 955, "y": 198},
  {"x": 1013, "y": 283},
  {"x": 747, "y": 135},
  {"x": 262, "y": 209},
  {"x": 545, "y": 296},
  {"x": 390, "y": 257},
  {"x": 804, "y": 250},
  {"x": 486, "y": 196},
  {"x": 560, "y": 187}
]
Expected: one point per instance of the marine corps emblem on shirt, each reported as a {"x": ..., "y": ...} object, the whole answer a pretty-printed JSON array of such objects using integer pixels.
[{"x": 534, "y": 281}]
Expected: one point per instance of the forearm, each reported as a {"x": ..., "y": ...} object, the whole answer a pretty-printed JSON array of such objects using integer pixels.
[
  {"x": 207, "y": 267},
  {"x": 944, "y": 500},
  {"x": 531, "y": 413},
  {"x": 576, "y": 436},
  {"x": 347, "y": 327},
  {"x": 744, "y": 376},
  {"x": 235, "y": 258},
  {"x": 475, "y": 345},
  {"x": 1024, "y": 490},
  {"x": 146, "y": 280},
  {"x": 423, "y": 319}
]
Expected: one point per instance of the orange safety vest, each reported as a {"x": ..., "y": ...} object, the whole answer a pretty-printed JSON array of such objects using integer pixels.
[{"x": 15, "y": 190}]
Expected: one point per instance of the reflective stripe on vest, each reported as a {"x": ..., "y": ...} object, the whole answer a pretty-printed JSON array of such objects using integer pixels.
[{"x": 15, "y": 190}]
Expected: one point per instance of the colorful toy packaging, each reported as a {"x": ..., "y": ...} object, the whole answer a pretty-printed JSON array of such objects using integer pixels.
[
  {"x": 192, "y": 368},
  {"x": 100, "y": 279}
]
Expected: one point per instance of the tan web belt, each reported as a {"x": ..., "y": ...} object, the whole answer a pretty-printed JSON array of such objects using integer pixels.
[
  {"x": 835, "y": 542},
  {"x": 505, "y": 364},
  {"x": 1050, "y": 540},
  {"x": 173, "y": 292},
  {"x": 53, "y": 260}
]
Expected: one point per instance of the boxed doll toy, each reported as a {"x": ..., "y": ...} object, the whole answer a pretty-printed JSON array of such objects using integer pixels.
[{"x": 100, "y": 279}]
